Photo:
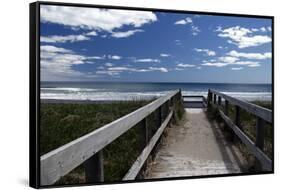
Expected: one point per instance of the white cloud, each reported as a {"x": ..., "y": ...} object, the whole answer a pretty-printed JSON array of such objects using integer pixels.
[
  {"x": 236, "y": 68},
  {"x": 198, "y": 67},
  {"x": 248, "y": 63},
  {"x": 216, "y": 64},
  {"x": 230, "y": 62},
  {"x": 111, "y": 73},
  {"x": 228, "y": 59},
  {"x": 95, "y": 18},
  {"x": 179, "y": 69},
  {"x": 195, "y": 30},
  {"x": 63, "y": 39},
  {"x": 161, "y": 69},
  {"x": 255, "y": 29},
  {"x": 185, "y": 65},
  {"x": 207, "y": 51},
  {"x": 266, "y": 55},
  {"x": 178, "y": 42},
  {"x": 57, "y": 63},
  {"x": 165, "y": 55},
  {"x": 108, "y": 64},
  {"x": 147, "y": 60},
  {"x": 93, "y": 33},
  {"x": 254, "y": 65},
  {"x": 263, "y": 29},
  {"x": 121, "y": 69},
  {"x": 184, "y": 21},
  {"x": 128, "y": 69},
  {"x": 53, "y": 49},
  {"x": 125, "y": 34},
  {"x": 116, "y": 57},
  {"x": 98, "y": 57},
  {"x": 243, "y": 37}
]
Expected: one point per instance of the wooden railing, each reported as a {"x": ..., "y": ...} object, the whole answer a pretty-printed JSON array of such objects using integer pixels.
[
  {"x": 203, "y": 99},
  {"x": 262, "y": 115},
  {"x": 87, "y": 150}
]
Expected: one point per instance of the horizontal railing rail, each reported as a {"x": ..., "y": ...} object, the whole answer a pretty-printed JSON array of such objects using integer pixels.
[
  {"x": 136, "y": 167},
  {"x": 192, "y": 97},
  {"x": 262, "y": 115},
  {"x": 259, "y": 111},
  {"x": 87, "y": 149}
]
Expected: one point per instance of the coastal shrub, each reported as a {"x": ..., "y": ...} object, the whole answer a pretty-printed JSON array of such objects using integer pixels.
[
  {"x": 62, "y": 123},
  {"x": 248, "y": 125}
]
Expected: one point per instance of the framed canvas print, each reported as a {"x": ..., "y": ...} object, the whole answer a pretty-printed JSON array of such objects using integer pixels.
[{"x": 120, "y": 94}]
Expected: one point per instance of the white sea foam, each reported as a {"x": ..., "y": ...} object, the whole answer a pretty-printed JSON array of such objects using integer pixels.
[
  {"x": 71, "y": 89},
  {"x": 97, "y": 94}
]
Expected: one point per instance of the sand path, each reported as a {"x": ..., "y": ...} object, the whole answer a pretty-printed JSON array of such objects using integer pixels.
[{"x": 195, "y": 148}]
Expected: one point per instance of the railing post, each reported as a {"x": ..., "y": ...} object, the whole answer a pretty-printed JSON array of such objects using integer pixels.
[
  {"x": 144, "y": 134},
  {"x": 94, "y": 168},
  {"x": 219, "y": 100},
  {"x": 260, "y": 129},
  {"x": 209, "y": 98},
  {"x": 226, "y": 107},
  {"x": 160, "y": 115},
  {"x": 215, "y": 98},
  {"x": 144, "y": 140},
  {"x": 166, "y": 108},
  {"x": 237, "y": 117},
  {"x": 181, "y": 98}
]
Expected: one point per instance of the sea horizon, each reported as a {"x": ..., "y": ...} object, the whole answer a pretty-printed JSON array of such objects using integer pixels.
[
  {"x": 154, "y": 82},
  {"x": 115, "y": 90}
]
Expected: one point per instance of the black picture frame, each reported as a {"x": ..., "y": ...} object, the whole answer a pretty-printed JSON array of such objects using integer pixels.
[{"x": 34, "y": 90}]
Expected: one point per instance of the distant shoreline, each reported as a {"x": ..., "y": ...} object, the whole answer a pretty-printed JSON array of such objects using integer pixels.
[
  {"x": 64, "y": 101},
  {"x": 157, "y": 82}
]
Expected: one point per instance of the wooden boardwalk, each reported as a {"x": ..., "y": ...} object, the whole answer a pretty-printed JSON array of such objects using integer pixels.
[{"x": 193, "y": 148}]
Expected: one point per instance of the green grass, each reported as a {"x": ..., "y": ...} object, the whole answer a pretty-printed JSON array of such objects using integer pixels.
[
  {"x": 62, "y": 123},
  {"x": 248, "y": 125}
]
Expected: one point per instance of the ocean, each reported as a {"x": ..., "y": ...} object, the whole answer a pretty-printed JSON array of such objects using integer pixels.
[{"x": 135, "y": 91}]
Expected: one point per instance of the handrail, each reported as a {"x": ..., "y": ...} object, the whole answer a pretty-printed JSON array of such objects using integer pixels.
[
  {"x": 62, "y": 160},
  {"x": 262, "y": 112},
  {"x": 136, "y": 167}
]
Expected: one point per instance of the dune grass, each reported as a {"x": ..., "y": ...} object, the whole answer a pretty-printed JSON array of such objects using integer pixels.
[
  {"x": 62, "y": 123},
  {"x": 248, "y": 125}
]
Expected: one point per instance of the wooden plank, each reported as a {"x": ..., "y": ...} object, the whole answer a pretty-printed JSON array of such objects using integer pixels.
[
  {"x": 260, "y": 130},
  {"x": 193, "y": 101},
  {"x": 94, "y": 168},
  {"x": 136, "y": 167},
  {"x": 144, "y": 133},
  {"x": 262, "y": 157},
  {"x": 159, "y": 116},
  {"x": 205, "y": 101},
  {"x": 62, "y": 160},
  {"x": 226, "y": 105},
  {"x": 219, "y": 100},
  {"x": 237, "y": 117},
  {"x": 209, "y": 98},
  {"x": 262, "y": 112},
  {"x": 192, "y": 96},
  {"x": 215, "y": 98}
]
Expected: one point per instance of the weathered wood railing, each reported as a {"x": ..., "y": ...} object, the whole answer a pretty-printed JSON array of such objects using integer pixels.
[
  {"x": 262, "y": 114},
  {"x": 201, "y": 99},
  {"x": 87, "y": 150}
]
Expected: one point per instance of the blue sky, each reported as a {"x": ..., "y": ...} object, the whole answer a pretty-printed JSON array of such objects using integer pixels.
[{"x": 89, "y": 44}]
